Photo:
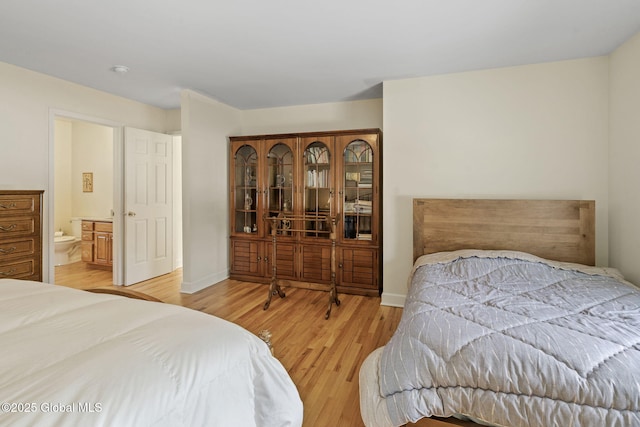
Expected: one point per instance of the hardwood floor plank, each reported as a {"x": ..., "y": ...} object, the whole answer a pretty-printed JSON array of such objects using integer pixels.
[{"x": 322, "y": 356}]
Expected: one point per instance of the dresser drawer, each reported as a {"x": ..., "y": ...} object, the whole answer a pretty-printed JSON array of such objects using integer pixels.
[
  {"x": 103, "y": 226},
  {"x": 17, "y": 248},
  {"x": 20, "y": 269},
  {"x": 18, "y": 226},
  {"x": 19, "y": 205}
]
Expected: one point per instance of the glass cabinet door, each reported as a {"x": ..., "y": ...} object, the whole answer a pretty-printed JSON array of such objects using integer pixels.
[
  {"x": 245, "y": 199},
  {"x": 280, "y": 194},
  {"x": 318, "y": 188},
  {"x": 357, "y": 191}
]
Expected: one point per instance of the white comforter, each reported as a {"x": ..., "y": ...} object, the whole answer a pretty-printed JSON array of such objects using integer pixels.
[
  {"x": 511, "y": 340},
  {"x": 72, "y": 358}
]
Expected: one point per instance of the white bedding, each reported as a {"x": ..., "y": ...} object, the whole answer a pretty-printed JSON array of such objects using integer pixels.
[{"x": 73, "y": 358}]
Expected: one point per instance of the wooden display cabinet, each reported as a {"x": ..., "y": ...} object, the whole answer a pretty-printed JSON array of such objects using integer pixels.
[
  {"x": 359, "y": 195},
  {"x": 308, "y": 175}
]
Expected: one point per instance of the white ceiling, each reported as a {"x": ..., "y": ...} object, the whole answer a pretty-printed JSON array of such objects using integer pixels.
[{"x": 268, "y": 53}]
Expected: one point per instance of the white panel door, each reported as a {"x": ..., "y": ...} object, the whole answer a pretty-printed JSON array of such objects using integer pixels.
[{"x": 147, "y": 205}]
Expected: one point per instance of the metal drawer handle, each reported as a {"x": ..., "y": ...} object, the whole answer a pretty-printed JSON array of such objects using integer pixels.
[
  {"x": 9, "y": 228},
  {"x": 11, "y": 206},
  {"x": 7, "y": 251},
  {"x": 9, "y": 273}
]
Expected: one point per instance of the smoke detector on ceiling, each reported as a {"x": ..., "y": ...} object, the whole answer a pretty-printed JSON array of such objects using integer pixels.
[{"x": 120, "y": 69}]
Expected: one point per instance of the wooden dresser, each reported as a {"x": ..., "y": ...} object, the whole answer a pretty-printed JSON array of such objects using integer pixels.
[{"x": 21, "y": 234}]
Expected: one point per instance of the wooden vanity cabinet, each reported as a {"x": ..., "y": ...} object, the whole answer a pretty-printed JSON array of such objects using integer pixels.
[
  {"x": 103, "y": 238},
  {"x": 97, "y": 243},
  {"x": 87, "y": 241}
]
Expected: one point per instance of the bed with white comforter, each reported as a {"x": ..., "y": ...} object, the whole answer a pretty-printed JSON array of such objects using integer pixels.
[
  {"x": 73, "y": 358},
  {"x": 509, "y": 339}
]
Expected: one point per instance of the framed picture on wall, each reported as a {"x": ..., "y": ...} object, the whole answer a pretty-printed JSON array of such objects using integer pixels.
[{"x": 87, "y": 182}]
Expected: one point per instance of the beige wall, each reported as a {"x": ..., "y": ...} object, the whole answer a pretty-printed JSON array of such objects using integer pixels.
[
  {"x": 25, "y": 123},
  {"x": 63, "y": 173},
  {"x": 82, "y": 147},
  {"x": 624, "y": 156},
  {"x": 92, "y": 151},
  {"x": 173, "y": 124},
  {"x": 206, "y": 124},
  {"x": 28, "y": 101},
  {"x": 537, "y": 131},
  {"x": 316, "y": 117}
]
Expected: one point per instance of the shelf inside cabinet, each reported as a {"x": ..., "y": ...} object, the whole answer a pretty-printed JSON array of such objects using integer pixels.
[{"x": 354, "y": 213}]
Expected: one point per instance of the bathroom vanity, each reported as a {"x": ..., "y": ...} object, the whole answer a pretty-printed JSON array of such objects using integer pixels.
[{"x": 97, "y": 243}]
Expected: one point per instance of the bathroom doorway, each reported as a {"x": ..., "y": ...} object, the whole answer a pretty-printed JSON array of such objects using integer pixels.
[
  {"x": 84, "y": 194},
  {"x": 87, "y": 175}
]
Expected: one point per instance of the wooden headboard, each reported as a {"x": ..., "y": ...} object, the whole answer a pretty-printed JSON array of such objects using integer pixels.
[{"x": 562, "y": 230}]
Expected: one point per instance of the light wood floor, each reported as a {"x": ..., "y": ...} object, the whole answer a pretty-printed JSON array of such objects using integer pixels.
[{"x": 322, "y": 356}]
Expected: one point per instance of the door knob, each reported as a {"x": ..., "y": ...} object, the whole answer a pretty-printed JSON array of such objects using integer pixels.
[{"x": 131, "y": 213}]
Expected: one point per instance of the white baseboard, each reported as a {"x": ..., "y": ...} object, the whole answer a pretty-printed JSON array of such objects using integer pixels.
[
  {"x": 205, "y": 282},
  {"x": 392, "y": 300}
]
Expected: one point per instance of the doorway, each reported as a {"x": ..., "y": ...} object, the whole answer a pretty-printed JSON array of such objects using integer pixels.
[
  {"x": 84, "y": 146},
  {"x": 83, "y": 189}
]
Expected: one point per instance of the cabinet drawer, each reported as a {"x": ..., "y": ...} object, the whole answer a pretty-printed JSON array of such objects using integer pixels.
[
  {"x": 17, "y": 248},
  {"x": 22, "y": 226},
  {"x": 18, "y": 205},
  {"x": 87, "y": 236},
  {"x": 19, "y": 269},
  {"x": 103, "y": 226},
  {"x": 87, "y": 225}
]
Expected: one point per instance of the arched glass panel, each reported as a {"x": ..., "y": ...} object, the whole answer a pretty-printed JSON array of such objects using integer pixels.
[
  {"x": 317, "y": 187},
  {"x": 358, "y": 192},
  {"x": 280, "y": 182},
  {"x": 246, "y": 197}
]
